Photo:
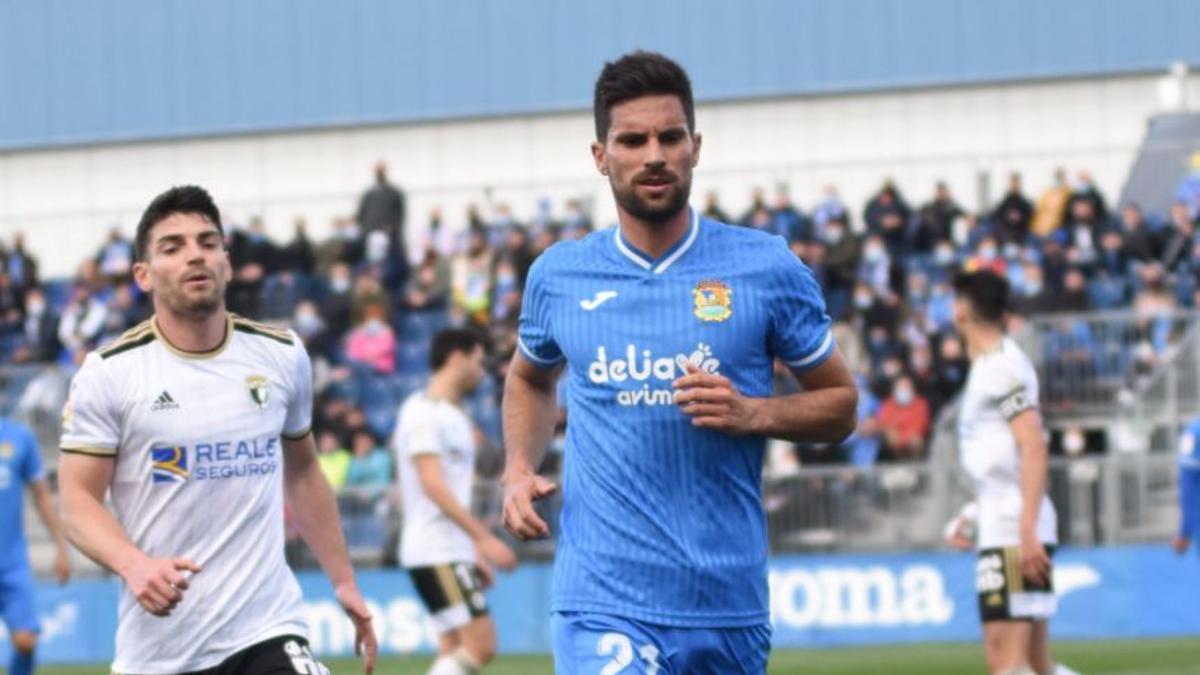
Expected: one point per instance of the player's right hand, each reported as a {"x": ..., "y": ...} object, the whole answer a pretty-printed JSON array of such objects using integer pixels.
[
  {"x": 519, "y": 494},
  {"x": 495, "y": 553},
  {"x": 157, "y": 583},
  {"x": 1180, "y": 545}
]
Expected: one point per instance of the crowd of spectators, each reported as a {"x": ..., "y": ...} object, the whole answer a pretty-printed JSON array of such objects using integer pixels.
[{"x": 365, "y": 308}]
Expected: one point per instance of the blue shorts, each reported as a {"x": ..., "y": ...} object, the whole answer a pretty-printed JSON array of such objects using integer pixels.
[
  {"x": 17, "y": 607},
  {"x": 592, "y": 644}
]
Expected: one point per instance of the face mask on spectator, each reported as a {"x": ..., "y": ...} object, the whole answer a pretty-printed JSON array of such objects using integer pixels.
[
  {"x": 862, "y": 300},
  {"x": 988, "y": 253},
  {"x": 834, "y": 233},
  {"x": 373, "y": 326},
  {"x": 944, "y": 255},
  {"x": 1033, "y": 288},
  {"x": 307, "y": 323},
  {"x": 1011, "y": 251},
  {"x": 920, "y": 362},
  {"x": 904, "y": 395},
  {"x": 873, "y": 253},
  {"x": 339, "y": 284},
  {"x": 35, "y": 307},
  {"x": 377, "y": 246}
]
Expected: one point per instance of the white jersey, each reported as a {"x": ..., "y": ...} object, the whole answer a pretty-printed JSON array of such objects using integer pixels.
[
  {"x": 439, "y": 428},
  {"x": 198, "y": 475},
  {"x": 1002, "y": 384}
]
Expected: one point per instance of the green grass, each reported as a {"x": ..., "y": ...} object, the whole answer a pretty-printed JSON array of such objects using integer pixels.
[{"x": 1143, "y": 657}]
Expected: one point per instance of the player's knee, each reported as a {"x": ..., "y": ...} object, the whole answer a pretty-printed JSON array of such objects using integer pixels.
[{"x": 24, "y": 641}]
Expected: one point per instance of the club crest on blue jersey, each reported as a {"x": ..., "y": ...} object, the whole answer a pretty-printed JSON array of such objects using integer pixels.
[
  {"x": 170, "y": 463},
  {"x": 259, "y": 390},
  {"x": 713, "y": 300}
]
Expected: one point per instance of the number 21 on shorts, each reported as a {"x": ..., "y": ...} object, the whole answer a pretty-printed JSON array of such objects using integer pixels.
[{"x": 620, "y": 648}]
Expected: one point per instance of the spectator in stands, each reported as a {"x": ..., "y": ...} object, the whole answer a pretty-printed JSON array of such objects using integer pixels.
[
  {"x": 786, "y": 219},
  {"x": 1113, "y": 258},
  {"x": 1140, "y": 243},
  {"x": 1154, "y": 296},
  {"x": 253, "y": 256},
  {"x": 1083, "y": 228},
  {"x": 904, "y": 421},
  {"x": 828, "y": 209},
  {"x": 1179, "y": 239},
  {"x": 370, "y": 465},
  {"x": 429, "y": 284},
  {"x": 887, "y": 215},
  {"x": 115, "y": 258},
  {"x": 712, "y": 207},
  {"x": 1013, "y": 214},
  {"x": 122, "y": 313},
  {"x": 470, "y": 278},
  {"x": 21, "y": 266},
  {"x": 368, "y": 292},
  {"x": 935, "y": 219},
  {"x": 343, "y": 246},
  {"x": 575, "y": 220},
  {"x": 298, "y": 255},
  {"x": 337, "y": 304},
  {"x": 925, "y": 377},
  {"x": 383, "y": 207},
  {"x": 12, "y": 313},
  {"x": 987, "y": 256},
  {"x": 951, "y": 366},
  {"x": 40, "y": 343},
  {"x": 1052, "y": 206},
  {"x": 861, "y": 449},
  {"x": 372, "y": 342},
  {"x": 320, "y": 340},
  {"x": 843, "y": 254},
  {"x": 758, "y": 202},
  {"x": 82, "y": 322},
  {"x": 1031, "y": 295},
  {"x": 1085, "y": 189},
  {"x": 1073, "y": 297},
  {"x": 333, "y": 458}
]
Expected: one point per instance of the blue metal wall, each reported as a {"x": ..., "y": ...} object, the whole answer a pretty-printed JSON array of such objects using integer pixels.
[{"x": 77, "y": 71}]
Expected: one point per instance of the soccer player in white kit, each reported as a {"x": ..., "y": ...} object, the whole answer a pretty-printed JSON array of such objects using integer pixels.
[
  {"x": 448, "y": 552},
  {"x": 1003, "y": 449},
  {"x": 197, "y": 423}
]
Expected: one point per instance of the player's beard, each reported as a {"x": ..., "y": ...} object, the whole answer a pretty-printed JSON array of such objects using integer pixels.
[
  {"x": 653, "y": 214},
  {"x": 194, "y": 305}
]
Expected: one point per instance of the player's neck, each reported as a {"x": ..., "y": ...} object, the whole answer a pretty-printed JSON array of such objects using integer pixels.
[
  {"x": 441, "y": 388},
  {"x": 983, "y": 340},
  {"x": 654, "y": 239},
  {"x": 192, "y": 334}
]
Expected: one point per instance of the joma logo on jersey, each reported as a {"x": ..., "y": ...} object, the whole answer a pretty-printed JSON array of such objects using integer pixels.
[
  {"x": 664, "y": 369},
  {"x": 169, "y": 463}
]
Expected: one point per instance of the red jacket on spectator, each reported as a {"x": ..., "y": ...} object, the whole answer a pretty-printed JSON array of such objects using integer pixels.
[{"x": 905, "y": 426}]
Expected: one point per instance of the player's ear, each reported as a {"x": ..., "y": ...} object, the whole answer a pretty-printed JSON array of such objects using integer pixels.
[
  {"x": 141, "y": 276},
  {"x": 228, "y": 267},
  {"x": 599, "y": 157},
  {"x": 697, "y": 137}
]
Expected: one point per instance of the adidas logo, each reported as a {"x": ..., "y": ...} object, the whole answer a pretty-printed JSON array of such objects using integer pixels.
[{"x": 164, "y": 402}]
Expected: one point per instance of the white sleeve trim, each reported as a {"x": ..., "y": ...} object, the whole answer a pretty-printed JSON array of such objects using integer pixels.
[
  {"x": 534, "y": 357},
  {"x": 818, "y": 353}
]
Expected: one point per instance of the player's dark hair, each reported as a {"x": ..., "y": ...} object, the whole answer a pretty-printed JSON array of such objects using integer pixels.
[
  {"x": 635, "y": 75},
  {"x": 449, "y": 341},
  {"x": 179, "y": 199},
  {"x": 986, "y": 292}
]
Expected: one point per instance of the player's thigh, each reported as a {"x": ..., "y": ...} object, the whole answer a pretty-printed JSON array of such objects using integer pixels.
[
  {"x": 721, "y": 651},
  {"x": 287, "y": 655},
  {"x": 599, "y": 644},
  {"x": 18, "y": 608}
]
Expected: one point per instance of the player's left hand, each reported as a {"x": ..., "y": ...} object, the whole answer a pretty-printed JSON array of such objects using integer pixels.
[
  {"x": 62, "y": 565},
  {"x": 1035, "y": 562},
  {"x": 713, "y": 403},
  {"x": 355, "y": 607}
]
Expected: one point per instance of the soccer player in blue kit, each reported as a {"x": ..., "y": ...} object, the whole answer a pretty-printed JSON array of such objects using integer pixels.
[
  {"x": 21, "y": 466},
  {"x": 668, "y": 326}
]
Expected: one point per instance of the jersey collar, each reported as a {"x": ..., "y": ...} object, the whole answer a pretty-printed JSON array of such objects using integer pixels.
[
  {"x": 644, "y": 261},
  {"x": 196, "y": 355}
]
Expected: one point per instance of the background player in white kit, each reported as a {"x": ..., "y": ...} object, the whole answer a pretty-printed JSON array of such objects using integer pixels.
[
  {"x": 448, "y": 553},
  {"x": 198, "y": 423},
  {"x": 1003, "y": 448}
]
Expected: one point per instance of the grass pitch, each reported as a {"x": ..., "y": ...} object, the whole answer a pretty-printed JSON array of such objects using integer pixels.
[{"x": 1142, "y": 657}]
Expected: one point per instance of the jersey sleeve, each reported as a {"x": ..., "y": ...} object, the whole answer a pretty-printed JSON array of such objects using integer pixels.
[
  {"x": 298, "y": 422},
  {"x": 92, "y": 415},
  {"x": 1012, "y": 387},
  {"x": 800, "y": 327},
  {"x": 534, "y": 337},
  {"x": 31, "y": 467}
]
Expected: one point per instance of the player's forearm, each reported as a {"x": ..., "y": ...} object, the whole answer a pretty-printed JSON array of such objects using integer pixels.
[
  {"x": 826, "y": 415},
  {"x": 529, "y": 413},
  {"x": 45, "y": 507},
  {"x": 440, "y": 495},
  {"x": 315, "y": 511},
  {"x": 1034, "y": 463},
  {"x": 97, "y": 534}
]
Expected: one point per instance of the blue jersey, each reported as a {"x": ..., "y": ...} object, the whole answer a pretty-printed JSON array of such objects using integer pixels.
[
  {"x": 20, "y": 464},
  {"x": 663, "y": 522},
  {"x": 1189, "y": 480}
]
